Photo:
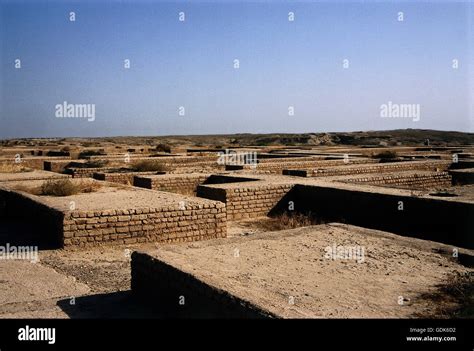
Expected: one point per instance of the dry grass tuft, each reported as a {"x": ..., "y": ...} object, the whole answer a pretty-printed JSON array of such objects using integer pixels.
[
  {"x": 13, "y": 168},
  {"x": 61, "y": 187},
  {"x": 149, "y": 166},
  {"x": 454, "y": 298},
  {"x": 289, "y": 221},
  {"x": 386, "y": 155}
]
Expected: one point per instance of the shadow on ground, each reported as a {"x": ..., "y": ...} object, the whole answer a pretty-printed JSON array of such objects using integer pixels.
[{"x": 125, "y": 304}]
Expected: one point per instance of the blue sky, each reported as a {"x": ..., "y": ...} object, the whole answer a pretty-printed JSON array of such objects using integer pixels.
[{"x": 191, "y": 64}]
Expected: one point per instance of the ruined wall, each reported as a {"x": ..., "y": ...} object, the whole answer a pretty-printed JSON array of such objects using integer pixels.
[
  {"x": 185, "y": 184},
  {"x": 167, "y": 158},
  {"x": 162, "y": 284},
  {"x": 195, "y": 167},
  {"x": 430, "y": 218},
  {"x": 33, "y": 162},
  {"x": 173, "y": 164},
  {"x": 409, "y": 181},
  {"x": 129, "y": 226},
  {"x": 246, "y": 201},
  {"x": 126, "y": 178},
  {"x": 379, "y": 168},
  {"x": 57, "y": 166},
  {"x": 85, "y": 172},
  {"x": 6, "y": 178},
  {"x": 275, "y": 166}
]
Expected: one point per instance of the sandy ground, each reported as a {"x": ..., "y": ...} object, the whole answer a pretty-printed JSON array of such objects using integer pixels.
[
  {"x": 287, "y": 272},
  {"x": 271, "y": 268},
  {"x": 30, "y": 175},
  {"x": 109, "y": 196}
]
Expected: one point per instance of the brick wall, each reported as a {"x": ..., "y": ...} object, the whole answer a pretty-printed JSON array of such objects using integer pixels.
[
  {"x": 276, "y": 166},
  {"x": 185, "y": 184},
  {"x": 57, "y": 166},
  {"x": 443, "y": 220},
  {"x": 128, "y": 226},
  {"x": 6, "y": 178},
  {"x": 378, "y": 168},
  {"x": 126, "y": 178},
  {"x": 246, "y": 201},
  {"x": 410, "y": 181},
  {"x": 195, "y": 167},
  {"x": 33, "y": 162},
  {"x": 84, "y": 172},
  {"x": 163, "y": 159}
]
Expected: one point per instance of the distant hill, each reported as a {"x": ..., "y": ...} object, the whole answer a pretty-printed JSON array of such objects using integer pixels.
[{"x": 407, "y": 137}]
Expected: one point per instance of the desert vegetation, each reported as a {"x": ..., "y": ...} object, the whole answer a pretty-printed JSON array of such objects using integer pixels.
[
  {"x": 288, "y": 220},
  {"x": 388, "y": 154},
  {"x": 149, "y": 166},
  {"x": 163, "y": 148},
  {"x": 454, "y": 298},
  {"x": 88, "y": 153},
  {"x": 60, "y": 187},
  {"x": 13, "y": 168}
]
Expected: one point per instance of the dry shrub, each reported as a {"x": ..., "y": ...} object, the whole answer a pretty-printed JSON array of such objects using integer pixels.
[
  {"x": 89, "y": 187},
  {"x": 461, "y": 288},
  {"x": 453, "y": 299},
  {"x": 290, "y": 221},
  {"x": 65, "y": 187},
  {"x": 88, "y": 153},
  {"x": 386, "y": 154},
  {"x": 95, "y": 163},
  {"x": 13, "y": 168},
  {"x": 149, "y": 166},
  {"x": 61, "y": 187},
  {"x": 163, "y": 148}
]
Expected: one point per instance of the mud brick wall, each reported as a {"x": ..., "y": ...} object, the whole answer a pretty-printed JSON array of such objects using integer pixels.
[
  {"x": 378, "y": 168},
  {"x": 11, "y": 152},
  {"x": 409, "y": 181},
  {"x": 430, "y": 218},
  {"x": 175, "y": 164},
  {"x": 28, "y": 176},
  {"x": 275, "y": 166},
  {"x": 33, "y": 162},
  {"x": 195, "y": 167},
  {"x": 172, "y": 162},
  {"x": 159, "y": 283},
  {"x": 246, "y": 201},
  {"x": 57, "y": 166},
  {"x": 182, "y": 184},
  {"x": 264, "y": 159},
  {"x": 121, "y": 178},
  {"x": 173, "y": 159},
  {"x": 129, "y": 226},
  {"x": 84, "y": 172}
]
